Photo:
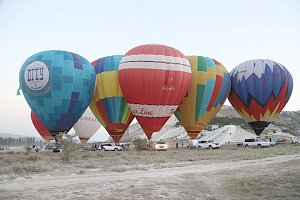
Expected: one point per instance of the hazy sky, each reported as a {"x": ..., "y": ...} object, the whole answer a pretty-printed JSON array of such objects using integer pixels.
[{"x": 229, "y": 31}]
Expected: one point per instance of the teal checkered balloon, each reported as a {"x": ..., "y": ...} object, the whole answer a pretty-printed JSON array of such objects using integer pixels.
[{"x": 58, "y": 86}]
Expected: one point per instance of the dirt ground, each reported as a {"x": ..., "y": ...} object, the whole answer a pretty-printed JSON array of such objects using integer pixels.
[{"x": 190, "y": 180}]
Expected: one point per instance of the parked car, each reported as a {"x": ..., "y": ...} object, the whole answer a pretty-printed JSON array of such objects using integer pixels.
[
  {"x": 192, "y": 144},
  {"x": 296, "y": 140},
  {"x": 208, "y": 144},
  {"x": 161, "y": 145},
  {"x": 281, "y": 141},
  {"x": 256, "y": 142},
  {"x": 50, "y": 146},
  {"x": 55, "y": 147},
  {"x": 272, "y": 143},
  {"x": 111, "y": 147}
]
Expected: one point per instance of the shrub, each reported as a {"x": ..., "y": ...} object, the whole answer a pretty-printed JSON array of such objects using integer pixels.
[
  {"x": 140, "y": 144},
  {"x": 68, "y": 146}
]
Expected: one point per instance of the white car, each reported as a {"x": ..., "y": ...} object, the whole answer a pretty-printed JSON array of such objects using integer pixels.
[
  {"x": 296, "y": 140},
  {"x": 256, "y": 142},
  {"x": 272, "y": 143},
  {"x": 208, "y": 144},
  {"x": 192, "y": 144},
  {"x": 111, "y": 147},
  {"x": 161, "y": 145}
]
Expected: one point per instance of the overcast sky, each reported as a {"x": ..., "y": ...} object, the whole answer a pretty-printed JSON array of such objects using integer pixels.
[{"x": 229, "y": 31}]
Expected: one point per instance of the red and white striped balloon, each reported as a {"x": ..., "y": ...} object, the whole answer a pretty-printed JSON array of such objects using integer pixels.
[{"x": 154, "y": 80}]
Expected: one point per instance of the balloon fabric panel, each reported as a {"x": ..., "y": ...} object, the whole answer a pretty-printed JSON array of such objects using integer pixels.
[
  {"x": 40, "y": 127},
  {"x": 108, "y": 103},
  {"x": 66, "y": 95},
  {"x": 216, "y": 91},
  {"x": 290, "y": 86},
  {"x": 206, "y": 95},
  {"x": 225, "y": 85},
  {"x": 260, "y": 90},
  {"x": 86, "y": 126},
  {"x": 154, "y": 79}
]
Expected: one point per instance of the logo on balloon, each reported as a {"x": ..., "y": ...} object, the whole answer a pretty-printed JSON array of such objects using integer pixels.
[
  {"x": 36, "y": 75},
  {"x": 152, "y": 110},
  {"x": 168, "y": 88},
  {"x": 87, "y": 118}
]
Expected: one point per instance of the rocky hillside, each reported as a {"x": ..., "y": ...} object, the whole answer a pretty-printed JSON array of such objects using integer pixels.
[
  {"x": 171, "y": 130},
  {"x": 288, "y": 121},
  {"x": 228, "y": 111},
  {"x": 228, "y": 134}
]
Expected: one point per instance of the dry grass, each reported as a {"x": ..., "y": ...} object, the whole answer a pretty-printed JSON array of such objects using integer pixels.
[
  {"x": 281, "y": 182},
  {"x": 22, "y": 163},
  {"x": 8, "y": 195}
]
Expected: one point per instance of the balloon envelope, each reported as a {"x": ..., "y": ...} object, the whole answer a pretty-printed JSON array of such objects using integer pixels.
[
  {"x": 40, "y": 127},
  {"x": 86, "y": 126},
  {"x": 154, "y": 79},
  {"x": 206, "y": 94},
  {"x": 108, "y": 103},
  {"x": 259, "y": 91},
  {"x": 58, "y": 86}
]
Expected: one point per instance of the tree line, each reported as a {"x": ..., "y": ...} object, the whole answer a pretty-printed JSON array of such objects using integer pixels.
[
  {"x": 21, "y": 141},
  {"x": 222, "y": 121}
]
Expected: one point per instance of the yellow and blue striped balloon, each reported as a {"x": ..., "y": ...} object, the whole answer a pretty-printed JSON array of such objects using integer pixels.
[
  {"x": 206, "y": 94},
  {"x": 108, "y": 103}
]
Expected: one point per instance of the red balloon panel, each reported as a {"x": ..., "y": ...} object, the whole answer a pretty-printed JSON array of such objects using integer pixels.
[
  {"x": 43, "y": 131},
  {"x": 154, "y": 79}
]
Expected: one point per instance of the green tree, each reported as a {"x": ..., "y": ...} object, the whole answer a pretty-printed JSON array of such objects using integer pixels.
[
  {"x": 68, "y": 145},
  {"x": 140, "y": 144}
]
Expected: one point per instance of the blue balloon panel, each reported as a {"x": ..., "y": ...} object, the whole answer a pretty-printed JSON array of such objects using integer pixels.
[{"x": 58, "y": 86}]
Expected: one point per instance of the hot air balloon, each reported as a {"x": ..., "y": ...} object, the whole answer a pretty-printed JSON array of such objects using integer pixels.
[
  {"x": 154, "y": 80},
  {"x": 86, "y": 126},
  {"x": 41, "y": 129},
  {"x": 259, "y": 91},
  {"x": 206, "y": 94},
  {"x": 108, "y": 103},
  {"x": 58, "y": 86}
]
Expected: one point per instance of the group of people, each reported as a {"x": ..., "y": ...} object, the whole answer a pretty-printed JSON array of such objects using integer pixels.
[
  {"x": 178, "y": 144},
  {"x": 35, "y": 148},
  {"x": 150, "y": 144},
  {"x": 97, "y": 146}
]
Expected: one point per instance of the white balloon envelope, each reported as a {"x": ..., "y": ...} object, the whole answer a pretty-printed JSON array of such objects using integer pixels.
[{"x": 86, "y": 126}]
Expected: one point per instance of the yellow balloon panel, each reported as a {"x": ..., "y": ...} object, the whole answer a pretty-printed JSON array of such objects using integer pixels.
[{"x": 207, "y": 92}]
